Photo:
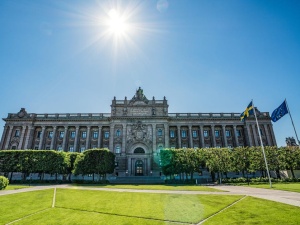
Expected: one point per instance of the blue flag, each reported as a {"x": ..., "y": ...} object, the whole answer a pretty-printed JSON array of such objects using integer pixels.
[
  {"x": 248, "y": 111},
  {"x": 279, "y": 112}
]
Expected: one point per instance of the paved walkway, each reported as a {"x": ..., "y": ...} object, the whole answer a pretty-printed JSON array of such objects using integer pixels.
[{"x": 291, "y": 198}]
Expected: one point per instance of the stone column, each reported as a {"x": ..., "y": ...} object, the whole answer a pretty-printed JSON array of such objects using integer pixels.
[
  {"x": 123, "y": 139},
  {"x": 76, "y": 138},
  {"x": 28, "y": 137},
  {"x": 202, "y": 145},
  {"x": 65, "y": 138},
  {"x": 154, "y": 137},
  {"x": 268, "y": 135},
  {"x": 249, "y": 135},
  {"x": 190, "y": 137},
  {"x": 87, "y": 143},
  {"x": 235, "y": 136},
  {"x": 8, "y": 137},
  {"x": 179, "y": 136},
  {"x": 42, "y": 138},
  {"x": 224, "y": 135},
  {"x": 99, "y": 136},
  {"x": 255, "y": 135},
  {"x": 22, "y": 137},
  {"x": 3, "y": 137},
  {"x": 53, "y": 138},
  {"x": 111, "y": 138},
  {"x": 213, "y": 135},
  {"x": 167, "y": 134},
  {"x": 272, "y": 135}
]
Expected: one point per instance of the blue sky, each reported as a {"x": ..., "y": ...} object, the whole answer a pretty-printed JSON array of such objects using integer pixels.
[{"x": 204, "y": 56}]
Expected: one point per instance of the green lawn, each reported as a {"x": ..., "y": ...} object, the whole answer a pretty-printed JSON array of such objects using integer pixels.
[
  {"x": 295, "y": 187},
  {"x": 15, "y": 187},
  {"x": 153, "y": 187}
]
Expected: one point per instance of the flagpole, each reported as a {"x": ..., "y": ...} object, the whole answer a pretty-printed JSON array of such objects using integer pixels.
[
  {"x": 292, "y": 122},
  {"x": 262, "y": 145}
]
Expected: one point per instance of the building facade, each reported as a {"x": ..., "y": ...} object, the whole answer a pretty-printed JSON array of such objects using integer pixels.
[{"x": 135, "y": 130}]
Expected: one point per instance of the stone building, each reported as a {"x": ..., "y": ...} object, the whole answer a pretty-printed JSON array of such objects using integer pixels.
[{"x": 135, "y": 131}]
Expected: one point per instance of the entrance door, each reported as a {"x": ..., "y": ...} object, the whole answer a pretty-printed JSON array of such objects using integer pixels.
[{"x": 139, "y": 168}]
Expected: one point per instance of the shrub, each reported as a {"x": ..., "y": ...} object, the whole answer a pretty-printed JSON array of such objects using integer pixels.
[{"x": 3, "y": 182}]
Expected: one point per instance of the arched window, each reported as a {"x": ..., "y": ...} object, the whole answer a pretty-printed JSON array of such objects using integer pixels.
[{"x": 139, "y": 151}]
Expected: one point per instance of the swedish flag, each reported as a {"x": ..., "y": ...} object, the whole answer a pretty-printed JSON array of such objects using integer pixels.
[{"x": 248, "y": 111}]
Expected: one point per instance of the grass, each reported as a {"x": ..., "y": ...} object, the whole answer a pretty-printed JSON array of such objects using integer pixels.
[
  {"x": 252, "y": 211},
  {"x": 295, "y": 187},
  {"x": 169, "y": 187},
  {"x": 15, "y": 187}
]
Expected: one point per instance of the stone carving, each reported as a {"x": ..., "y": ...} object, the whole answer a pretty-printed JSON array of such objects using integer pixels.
[
  {"x": 22, "y": 113},
  {"x": 139, "y": 96},
  {"x": 139, "y": 132}
]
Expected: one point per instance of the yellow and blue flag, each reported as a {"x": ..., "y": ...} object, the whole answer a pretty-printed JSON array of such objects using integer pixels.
[
  {"x": 279, "y": 112},
  {"x": 248, "y": 111}
]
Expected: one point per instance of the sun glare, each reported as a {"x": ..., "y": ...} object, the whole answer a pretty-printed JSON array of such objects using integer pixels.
[{"x": 116, "y": 23}]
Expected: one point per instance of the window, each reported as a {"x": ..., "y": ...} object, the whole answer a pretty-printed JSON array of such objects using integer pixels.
[
  {"x": 195, "y": 134},
  {"x": 218, "y": 146},
  {"x": 82, "y": 149},
  {"x": 159, "y": 132},
  {"x": 172, "y": 134},
  {"x": 47, "y": 148},
  {"x": 72, "y": 134},
  {"x": 184, "y": 145},
  {"x": 261, "y": 132},
  {"x": 61, "y": 134},
  {"x": 39, "y": 133},
  {"x": 205, "y": 133},
  {"x": 71, "y": 149},
  {"x": 238, "y": 133},
  {"x": 118, "y": 150},
  {"x": 118, "y": 133},
  {"x": 17, "y": 133},
  {"x": 14, "y": 147},
  {"x": 50, "y": 134},
  {"x": 59, "y": 148},
  {"x": 36, "y": 148},
  {"x": 183, "y": 133},
  {"x": 229, "y": 146},
  {"x": 83, "y": 134},
  {"x": 94, "y": 146},
  {"x": 95, "y": 134},
  {"x": 196, "y": 147},
  {"x": 217, "y": 133},
  {"x": 106, "y": 134},
  {"x": 172, "y": 147},
  {"x": 228, "y": 133}
]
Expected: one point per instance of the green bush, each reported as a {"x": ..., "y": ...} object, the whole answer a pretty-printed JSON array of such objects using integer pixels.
[{"x": 3, "y": 182}]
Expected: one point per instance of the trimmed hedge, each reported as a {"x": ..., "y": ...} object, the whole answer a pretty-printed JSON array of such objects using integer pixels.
[{"x": 3, "y": 182}]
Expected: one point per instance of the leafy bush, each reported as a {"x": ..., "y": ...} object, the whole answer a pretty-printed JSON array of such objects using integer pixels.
[{"x": 3, "y": 182}]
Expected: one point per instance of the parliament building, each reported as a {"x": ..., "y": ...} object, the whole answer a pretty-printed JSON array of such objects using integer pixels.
[{"x": 135, "y": 130}]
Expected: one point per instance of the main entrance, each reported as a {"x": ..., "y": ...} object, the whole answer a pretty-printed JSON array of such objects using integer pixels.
[{"x": 139, "y": 168}]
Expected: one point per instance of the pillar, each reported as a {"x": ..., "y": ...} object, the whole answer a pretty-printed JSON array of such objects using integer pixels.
[
  {"x": 3, "y": 137},
  {"x": 268, "y": 135},
  {"x": 255, "y": 135},
  {"x": 99, "y": 136},
  {"x": 249, "y": 135},
  {"x": 53, "y": 138},
  {"x": 123, "y": 139},
  {"x": 8, "y": 137},
  {"x": 190, "y": 137},
  {"x": 272, "y": 135},
  {"x": 154, "y": 137},
  {"x": 213, "y": 135},
  {"x": 76, "y": 138},
  {"x": 167, "y": 135},
  {"x": 224, "y": 135},
  {"x": 65, "y": 138},
  {"x": 87, "y": 143},
  {"x": 42, "y": 138},
  {"x": 29, "y": 137},
  {"x": 22, "y": 137},
  {"x": 179, "y": 136},
  {"x": 235, "y": 136}
]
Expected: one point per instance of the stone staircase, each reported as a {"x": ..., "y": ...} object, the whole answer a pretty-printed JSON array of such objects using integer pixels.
[{"x": 137, "y": 180}]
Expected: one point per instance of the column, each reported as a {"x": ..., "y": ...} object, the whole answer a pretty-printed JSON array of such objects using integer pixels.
[
  {"x": 201, "y": 136},
  {"x": 249, "y": 135},
  {"x": 76, "y": 138},
  {"x": 3, "y": 137},
  {"x": 8, "y": 137},
  {"x": 224, "y": 135},
  {"x": 99, "y": 136},
  {"x": 154, "y": 137},
  {"x": 213, "y": 135},
  {"x": 268, "y": 135},
  {"x": 22, "y": 137},
  {"x": 87, "y": 144},
  {"x": 65, "y": 138},
  {"x": 111, "y": 138},
  {"x": 53, "y": 138},
  {"x": 179, "y": 136},
  {"x": 272, "y": 135},
  {"x": 255, "y": 135},
  {"x": 28, "y": 137},
  {"x": 42, "y": 138},
  {"x": 123, "y": 139},
  {"x": 235, "y": 136},
  {"x": 190, "y": 136},
  {"x": 167, "y": 134}
]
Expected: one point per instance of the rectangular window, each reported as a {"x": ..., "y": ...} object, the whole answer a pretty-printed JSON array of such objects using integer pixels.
[
  {"x": 118, "y": 133},
  {"x": 82, "y": 149},
  {"x": 95, "y": 134},
  {"x": 195, "y": 134},
  {"x": 228, "y": 133},
  {"x": 72, "y": 134},
  {"x": 83, "y": 135},
  {"x": 172, "y": 134},
  {"x": 238, "y": 133},
  {"x": 118, "y": 150},
  {"x": 159, "y": 132},
  {"x": 36, "y": 148},
  {"x": 94, "y": 146},
  {"x": 50, "y": 134},
  {"x": 71, "y": 149},
  {"x": 47, "y": 148},
  {"x": 39, "y": 133},
  {"x": 183, "y": 133},
  {"x": 17, "y": 133},
  {"x": 218, "y": 146},
  {"x": 106, "y": 134},
  {"x": 229, "y": 146},
  {"x": 59, "y": 148},
  {"x": 217, "y": 133},
  {"x": 61, "y": 134},
  {"x": 205, "y": 133}
]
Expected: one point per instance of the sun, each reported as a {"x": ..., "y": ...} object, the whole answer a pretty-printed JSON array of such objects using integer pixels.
[{"x": 116, "y": 23}]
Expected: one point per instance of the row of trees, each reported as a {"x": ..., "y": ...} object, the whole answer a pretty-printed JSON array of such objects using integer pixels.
[
  {"x": 94, "y": 161},
  {"x": 223, "y": 160}
]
